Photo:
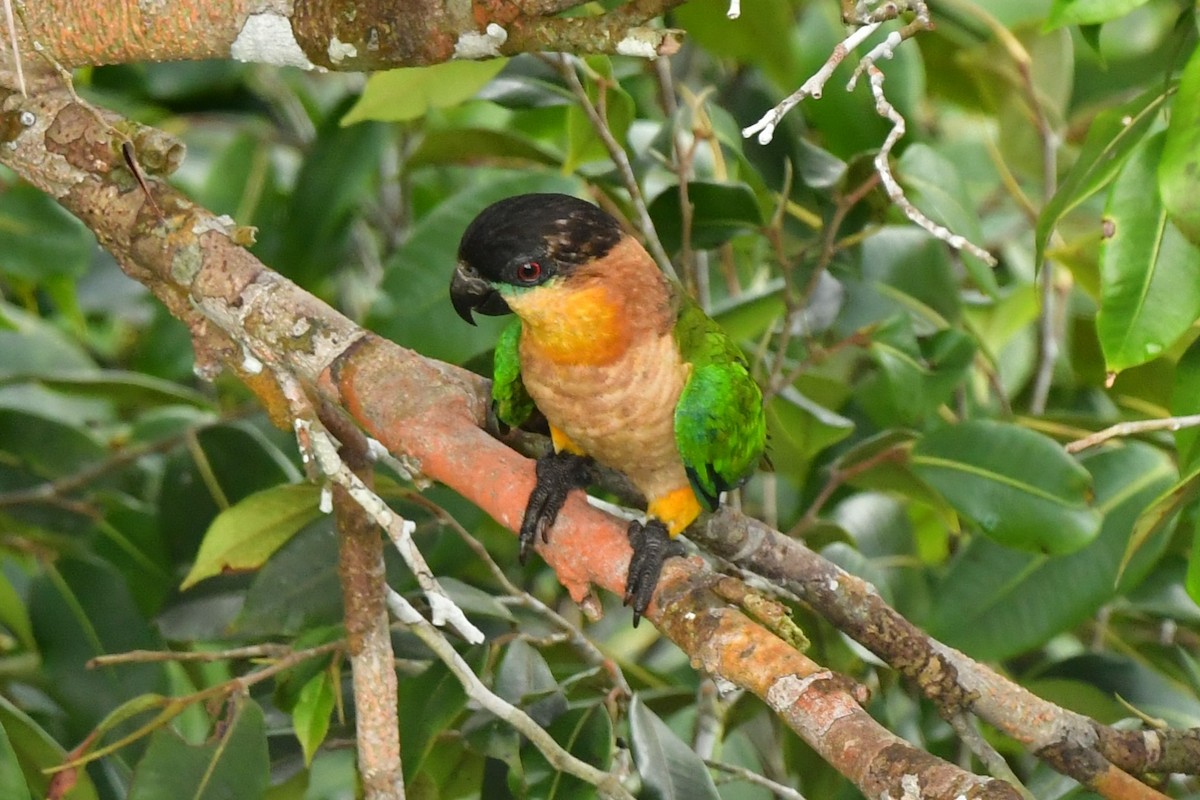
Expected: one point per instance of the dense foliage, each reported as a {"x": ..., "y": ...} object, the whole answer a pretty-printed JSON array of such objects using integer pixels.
[{"x": 919, "y": 401}]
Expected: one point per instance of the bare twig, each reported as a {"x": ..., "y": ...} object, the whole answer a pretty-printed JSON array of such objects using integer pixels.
[
  {"x": 266, "y": 650},
  {"x": 606, "y": 783},
  {"x": 620, "y": 158},
  {"x": 1133, "y": 428}
]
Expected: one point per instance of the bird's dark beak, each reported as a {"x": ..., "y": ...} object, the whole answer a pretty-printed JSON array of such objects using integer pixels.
[{"x": 470, "y": 292}]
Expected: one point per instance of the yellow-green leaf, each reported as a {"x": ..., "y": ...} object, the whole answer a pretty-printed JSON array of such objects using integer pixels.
[
  {"x": 244, "y": 536},
  {"x": 403, "y": 94}
]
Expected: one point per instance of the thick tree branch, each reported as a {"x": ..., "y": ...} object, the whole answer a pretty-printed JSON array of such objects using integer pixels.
[{"x": 312, "y": 34}]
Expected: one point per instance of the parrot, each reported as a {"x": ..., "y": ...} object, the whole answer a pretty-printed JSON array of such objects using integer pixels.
[{"x": 626, "y": 368}]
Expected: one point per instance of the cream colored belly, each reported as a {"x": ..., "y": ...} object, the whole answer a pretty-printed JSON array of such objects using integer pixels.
[{"x": 622, "y": 414}]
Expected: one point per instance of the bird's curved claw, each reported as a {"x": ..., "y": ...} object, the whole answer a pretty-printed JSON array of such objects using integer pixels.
[
  {"x": 557, "y": 475},
  {"x": 652, "y": 546}
]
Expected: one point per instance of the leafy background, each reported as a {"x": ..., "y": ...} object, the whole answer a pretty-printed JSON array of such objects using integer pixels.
[{"x": 142, "y": 507}]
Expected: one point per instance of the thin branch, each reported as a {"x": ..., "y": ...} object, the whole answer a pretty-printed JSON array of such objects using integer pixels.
[
  {"x": 11, "y": 19},
  {"x": 606, "y": 783},
  {"x": 619, "y": 157},
  {"x": 266, "y": 650},
  {"x": 1132, "y": 428}
]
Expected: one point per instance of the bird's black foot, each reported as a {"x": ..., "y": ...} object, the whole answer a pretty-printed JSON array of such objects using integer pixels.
[
  {"x": 557, "y": 475},
  {"x": 652, "y": 545}
]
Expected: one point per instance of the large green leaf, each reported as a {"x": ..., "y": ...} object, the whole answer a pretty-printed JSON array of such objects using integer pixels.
[
  {"x": 1017, "y": 486},
  {"x": 38, "y": 238},
  {"x": 670, "y": 769},
  {"x": 719, "y": 212},
  {"x": 403, "y": 94},
  {"x": 587, "y": 734},
  {"x": 37, "y": 752},
  {"x": 1111, "y": 137},
  {"x": 995, "y": 602},
  {"x": 233, "y": 765},
  {"x": 441, "y": 698},
  {"x": 1150, "y": 273},
  {"x": 245, "y": 535},
  {"x": 799, "y": 429},
  {"x": 312, "y": 712},
  {"x": 12, "y": 781},
  {"x": 1179, "y": 168}
]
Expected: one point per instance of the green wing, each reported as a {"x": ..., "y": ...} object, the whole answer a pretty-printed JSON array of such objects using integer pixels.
[
  {"x": 720, "y": 426},
  {"x": 512, "y": 402}
]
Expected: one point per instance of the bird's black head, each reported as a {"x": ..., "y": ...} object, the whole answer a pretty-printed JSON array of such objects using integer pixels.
[{"x": 524, "y": 241}]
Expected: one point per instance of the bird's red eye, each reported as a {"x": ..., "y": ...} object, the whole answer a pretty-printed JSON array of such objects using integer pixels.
[{"x": 529, "y": 271}]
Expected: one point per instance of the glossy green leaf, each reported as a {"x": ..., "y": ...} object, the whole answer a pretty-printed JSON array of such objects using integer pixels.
[
  {"x": 1150, "y": 273},
  {"x": 126, "y": 389},
  {"x": 37, "y": 752},
  {"x": 1135, "y": 682},
  {"x": 297, "y": 588},
  {"x": 1192, "y": 582},
  {"x": 1017, "y": 486},
  {"x": 13, "y": 614},
  {"x": 71, "y": 628},
  {"x": 1088, "y": 12},
  {"x": 12, "y": 781},
  {"x": 1185, "y": 401},
  {"x": 587, "y": 734},
  {"x": 583, "y": 142},
  {"x": 720, "y": 211},
  {"x": 38, "y": 238},
  {"x": 245, "y": 535},
  {"x": 47, "y": 447},
  {"x": 670, "y": 769},
  {"x": 408, "y": 93},
  {"x": 1161, "y": 512},
  {"x": 471, "y": 145},
  {"x": 798, "y": 429},
  {"x": 1111, "y": 137},
  {"x": 231, "y": 766},
  {"x": 762, "y": 38},
  {"x": 441, "y": 698},
  {"x": 936, "y": 187},
  {"x": 312, "y": 713},
  {"x": 994, "y": 602},
  {"x": 1179, "y": 168}
]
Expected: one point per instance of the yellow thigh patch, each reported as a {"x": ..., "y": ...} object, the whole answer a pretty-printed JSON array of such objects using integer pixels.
[
  {"x": 678, "y": 509},
  {"x": 562, "y": 442}
]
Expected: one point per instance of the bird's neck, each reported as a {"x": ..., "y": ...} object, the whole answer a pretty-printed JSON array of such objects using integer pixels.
[{"x": 595, "y": 316}]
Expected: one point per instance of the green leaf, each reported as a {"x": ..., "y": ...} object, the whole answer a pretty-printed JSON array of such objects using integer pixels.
[
  {"x": 583, "y": 143},
  {"x": 297, "y": 588},
  {"x": 126, "y": 389},
  {"x": 71, "y": 628},
  {"x": 245, "y": 535},
  {"x": 441, "y": 699},
  {"x": 1192, "y": 583},
  {"x": 1179, "y": 169},
  {"x": 670, "y": 769},
  {"x": 936, "y": 187},
  {"x": 13, "y": 614},
  {"x": 1161, "y": 512},
  {"x": 1017, "y": 486},
  {"x": 1185, "y": 401},
  {"x": 720, "y": 211},
  {"x": 231, "y": 766},
  {"x": 403, "y": 94},
  {"x": 472, "y": 145},
  {"x": 1150, "y": 274},
  {"x": 1111, "y": 137},
  {"x": 12, "y": 781},
  {"x": 587, "y": 734},
  {"x": 994, "y": 602},
  {"x": 1088, "y": 12},
  {"x": 312, "y": 712},
  {"x": 38, "y": 238},
  {"x": 799, "y": 429},
  {"x": 37, "y": 752},
  {"x": 47, "y": 447}
]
